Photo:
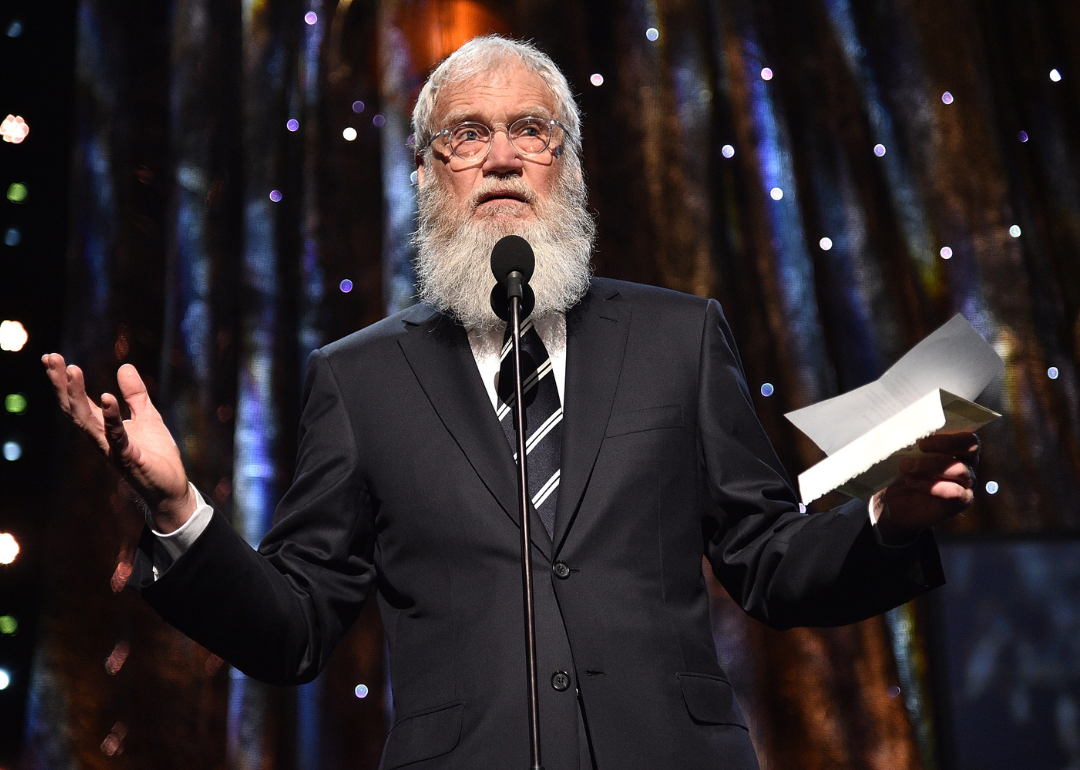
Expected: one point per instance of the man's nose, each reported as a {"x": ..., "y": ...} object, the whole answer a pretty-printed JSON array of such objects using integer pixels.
[{"x": 502, "y": 157}]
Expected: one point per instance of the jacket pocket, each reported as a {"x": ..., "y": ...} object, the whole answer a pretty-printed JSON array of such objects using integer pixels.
[
  {"x": 646, "y": 419},
  {"x": 427, "y": 734},
  {"x": 710, "y": 700}
]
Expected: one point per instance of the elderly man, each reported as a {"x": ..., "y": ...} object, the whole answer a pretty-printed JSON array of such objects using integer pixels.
[{"x": 648, "y": 455}]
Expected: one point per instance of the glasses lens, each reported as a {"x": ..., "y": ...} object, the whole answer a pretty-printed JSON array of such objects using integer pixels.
[
  {"x": 530, "y": 135},
  {"x": 470, "y": 140}
]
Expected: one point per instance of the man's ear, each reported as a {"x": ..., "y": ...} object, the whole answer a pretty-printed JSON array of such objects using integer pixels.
[{"x": 419, "y": 170}]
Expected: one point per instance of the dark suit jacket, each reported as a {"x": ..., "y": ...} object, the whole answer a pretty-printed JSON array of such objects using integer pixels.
[{"x": 405, "y": 483}]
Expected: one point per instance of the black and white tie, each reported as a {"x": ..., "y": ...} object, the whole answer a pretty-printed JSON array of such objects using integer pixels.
[{"x": 543, "y": 418}]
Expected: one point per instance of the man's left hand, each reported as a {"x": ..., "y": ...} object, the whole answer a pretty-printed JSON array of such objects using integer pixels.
[{"x": 934, "y": 487}]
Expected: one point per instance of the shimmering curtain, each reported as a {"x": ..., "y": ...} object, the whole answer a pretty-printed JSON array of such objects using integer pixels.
[{"x": 215, "y": 243}]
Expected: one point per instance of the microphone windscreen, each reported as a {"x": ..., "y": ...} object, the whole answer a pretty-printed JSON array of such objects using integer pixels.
[{"x": 511, "y": 253}]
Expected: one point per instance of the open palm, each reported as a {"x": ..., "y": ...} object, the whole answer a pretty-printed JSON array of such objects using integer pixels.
[{"x": 141, "y": 448}]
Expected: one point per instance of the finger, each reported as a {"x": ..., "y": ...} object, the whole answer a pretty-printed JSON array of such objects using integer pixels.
[
  {"x": 934, "y": 465},
  {"x": 133, "y": 389},
  {"x": 57, "y": 373},
  {"x": 941, "y": 489},
  {"x": 960, "y": 444},
  {"x": 120, "y": 447},
  {"x": 83, "y": 411}
]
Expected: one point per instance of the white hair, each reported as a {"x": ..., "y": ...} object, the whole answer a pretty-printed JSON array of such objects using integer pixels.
[{"x": 482, "y": 54}]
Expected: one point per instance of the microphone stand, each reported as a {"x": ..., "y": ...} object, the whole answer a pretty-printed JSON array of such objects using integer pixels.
[{"x": 515, "y": 288}]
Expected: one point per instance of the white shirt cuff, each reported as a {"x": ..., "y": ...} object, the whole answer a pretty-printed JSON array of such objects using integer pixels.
[{"x": 173, "y": 544}]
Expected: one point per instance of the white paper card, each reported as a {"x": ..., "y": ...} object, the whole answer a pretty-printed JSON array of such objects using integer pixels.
[{"x": 867, "y": 431}]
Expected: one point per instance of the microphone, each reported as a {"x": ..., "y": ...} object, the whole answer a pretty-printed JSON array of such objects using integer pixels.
[{"x": 512, "y": 264}]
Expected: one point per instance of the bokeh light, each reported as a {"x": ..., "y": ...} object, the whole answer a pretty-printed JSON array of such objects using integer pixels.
[
  {"x": 767, "y": 389},
  {"x": 15, "y": 28},
  {"x": 9, "y": 625},
  {"x": 9, "y": 548},
  {"x": 652, "y": 33},
  {"x": 1052, "y": 373},
  {"x": 293, "y": 124},
  {"x": 946, "y": 252},
  {"x": 379, "y": 121},
  {"x": 12, "y": 336},
  {"x": 1055, "y": 75},
  {"x": 12, "y": 452},
  {"x": 879, "y": 150},
  {"x": 766, "y": 73},
  {"x": 14, "y": 129},
  {"x": 310, "y": 18},
  {"x": 358, "y": 107},
  {"x": 5, "y": 679},
  {"x": 776, "y": 193},
  {"x": 947, "y": 98},
  {"x": 1015, "y": 231},
  {"x": 12, "y": 237},
  {"x": 727, "y": 151},
  {"x": 361, "y": 691},
  {"x": 596, "y": 79},
  {"x": 1022, "y": 136},
  {"x": 349, "y": 134},
  {"x": 825, "y": 243},
  {"x": 992, "y": 487},
  {"x": 345, "y": 285},
  {"x": 275, "y": 196},
  {"x": 15, "y": 403},
  {"x": 17, "y": 192}
]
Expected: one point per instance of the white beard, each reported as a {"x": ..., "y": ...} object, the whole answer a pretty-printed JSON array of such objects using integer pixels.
[{"x": 453, "y": 265}]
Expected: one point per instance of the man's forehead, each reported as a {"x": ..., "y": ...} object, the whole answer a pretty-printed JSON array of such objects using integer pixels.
[{"x": 505, "y": 92}]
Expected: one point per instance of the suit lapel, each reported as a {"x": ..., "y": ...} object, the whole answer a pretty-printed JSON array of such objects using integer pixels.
[
  {"x": 439, "y": 354},
  {"x": 596, "y": 332}
]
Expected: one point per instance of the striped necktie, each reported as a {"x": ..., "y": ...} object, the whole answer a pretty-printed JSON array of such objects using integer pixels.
[{"x": 543, "y": 418}]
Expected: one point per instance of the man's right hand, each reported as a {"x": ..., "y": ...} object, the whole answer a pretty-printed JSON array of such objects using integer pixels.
[{"x": 141, "y": 448}]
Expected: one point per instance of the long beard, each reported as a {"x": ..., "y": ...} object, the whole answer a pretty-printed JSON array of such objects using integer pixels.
[{"x": 453, "y": 266}]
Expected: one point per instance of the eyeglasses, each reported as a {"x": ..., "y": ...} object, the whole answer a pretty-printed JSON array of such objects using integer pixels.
[{"x": 472, "y": 141}]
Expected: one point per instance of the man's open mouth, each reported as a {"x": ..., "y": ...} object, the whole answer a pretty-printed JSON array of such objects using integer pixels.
[{"x": 499, "y": 196}]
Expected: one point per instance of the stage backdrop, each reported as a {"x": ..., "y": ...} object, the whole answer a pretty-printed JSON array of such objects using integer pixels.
[{"x": 842, "y": 176}]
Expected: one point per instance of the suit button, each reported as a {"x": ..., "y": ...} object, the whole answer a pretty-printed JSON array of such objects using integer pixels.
[
  {"x": 561, "y": 570},
  {"x": 560, "y": 680}
]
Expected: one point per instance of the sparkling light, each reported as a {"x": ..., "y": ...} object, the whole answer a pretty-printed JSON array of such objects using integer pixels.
[
  {"x": 357, "y": 107},
  {"x": 378, "y": 120},
  {"x": 15, "y": 403},
  {"x": 345, "y": 285},
  {"x": 947, "y": 98},
  {"x": 776, "y": 193},
  {"x": 12, "y": 237},
  {"x": 293, "y": 124},
  {"x": 1022, "y": 136},
  {"x": 825, "y": 243},
  {"x": 1014, "y": 231},
  {"x": 991, "y": 487},
  {"x": 766, "y": 73},
  {"x": 12, "y": 336},
  {"x": 946, "y": 252},
  {"x": 596, "y": 79},
  {"x": 652, "y": 33},
  {"x": 310, "y": 18},
  {"x": 361, "y": 691},
  {"x": 1055, "y": 76},
  {"x": 5, "y": 679},
  {"x": 9, "y": 548},
  {"x": 14, "y": 129},
  {"x": 727, "y": 151},
  {"x": 414, "y": 177},
  {"x": 17, "y": 192},
  {"x": 9, "y": 625},
  {"x": 879, "y": 150},
  {"x": 1052, "y": 372},
  {"x": 275, "y": 196},
  {"x": 767, "y": 389},
  {"x": 12, "y": 452},
  {"x": 349, "y": 133}
]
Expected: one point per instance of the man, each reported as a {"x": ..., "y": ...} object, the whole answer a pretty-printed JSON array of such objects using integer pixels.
[{"x": 405, "y": 482}]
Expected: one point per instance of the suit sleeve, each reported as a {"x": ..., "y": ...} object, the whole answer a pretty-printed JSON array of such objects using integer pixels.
[
  {"x": 277, "y": 613},
  {"x": 784, "y": 567}
]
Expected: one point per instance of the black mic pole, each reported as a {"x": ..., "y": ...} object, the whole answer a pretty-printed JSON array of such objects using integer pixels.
[{"x": 510, "y": 276}]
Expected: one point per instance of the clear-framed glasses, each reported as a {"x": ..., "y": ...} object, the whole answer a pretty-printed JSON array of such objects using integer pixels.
[{"x": 472, "y": 141}]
